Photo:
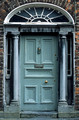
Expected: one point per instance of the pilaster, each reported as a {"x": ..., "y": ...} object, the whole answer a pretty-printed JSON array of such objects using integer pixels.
[
  {"x": 62, "y": 105},
  {"x": 63, "y": 68},
  {"x": 16, "y": 86}
]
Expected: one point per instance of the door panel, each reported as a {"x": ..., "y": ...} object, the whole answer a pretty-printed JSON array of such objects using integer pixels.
[
  {"x": 45, "y": 96},
  {"x": 30, "y": 48},
  {"x": 39, "y": 73},
  {"x": 47, "y": 45},
  {"x": 30, "y": 94}
]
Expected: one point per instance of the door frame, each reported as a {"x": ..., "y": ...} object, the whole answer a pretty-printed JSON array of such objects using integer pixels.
[
  {"x": 15, "y": 29},
  {"x": 15, "y": 33}
]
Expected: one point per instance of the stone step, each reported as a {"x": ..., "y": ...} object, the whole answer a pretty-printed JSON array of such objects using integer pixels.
[{"x": 38, "y": 114}]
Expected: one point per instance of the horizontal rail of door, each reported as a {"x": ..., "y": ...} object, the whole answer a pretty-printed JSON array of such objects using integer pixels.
[{"x": 39, "y": 72}]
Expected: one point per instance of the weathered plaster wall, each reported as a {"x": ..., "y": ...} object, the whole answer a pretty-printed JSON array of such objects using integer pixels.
[{"x": 72, "y": 6}]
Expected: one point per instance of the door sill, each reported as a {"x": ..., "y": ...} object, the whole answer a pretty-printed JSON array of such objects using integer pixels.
[{"x": 31, "y": 114}]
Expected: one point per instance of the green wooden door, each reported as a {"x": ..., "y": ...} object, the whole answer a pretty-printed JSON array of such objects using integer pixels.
[{"x": 38, "y": 73}]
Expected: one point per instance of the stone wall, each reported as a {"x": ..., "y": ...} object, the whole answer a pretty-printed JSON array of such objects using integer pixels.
[{"x": 72, "y": 6}]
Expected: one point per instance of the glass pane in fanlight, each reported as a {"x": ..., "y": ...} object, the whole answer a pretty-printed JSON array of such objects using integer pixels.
[{"x": 16, "y": 18}]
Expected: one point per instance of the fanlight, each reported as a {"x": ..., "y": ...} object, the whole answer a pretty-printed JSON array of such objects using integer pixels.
[{"x": 38, "y": 14}]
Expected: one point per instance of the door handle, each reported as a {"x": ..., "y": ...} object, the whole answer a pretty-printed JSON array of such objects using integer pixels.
[{"x": 38, "y": 50}]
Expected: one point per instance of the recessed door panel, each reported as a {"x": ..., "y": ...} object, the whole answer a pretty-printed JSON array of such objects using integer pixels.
[
  {"x": 47, "y": 45},
  {"x": 39, "y": 76},
  {"x": 30, "y": 49},
  {"x": 45, "y": 96},
  {"x": 30, "y": 94}
]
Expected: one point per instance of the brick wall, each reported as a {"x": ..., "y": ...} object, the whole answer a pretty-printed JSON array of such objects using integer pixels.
[
  {"x": 72, "y": 7},
  {"x": 77, "y": 55},
  {"x": 1, "y": 66}
]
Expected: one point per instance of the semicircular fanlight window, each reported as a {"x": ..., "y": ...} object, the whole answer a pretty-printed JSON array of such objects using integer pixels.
[{"x": 38, "y": 14}]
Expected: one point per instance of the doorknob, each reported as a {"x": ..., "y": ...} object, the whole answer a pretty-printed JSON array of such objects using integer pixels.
[{"x": 46, "y": 81}]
